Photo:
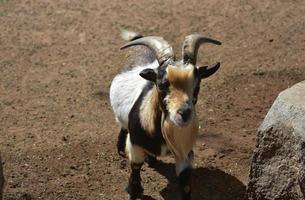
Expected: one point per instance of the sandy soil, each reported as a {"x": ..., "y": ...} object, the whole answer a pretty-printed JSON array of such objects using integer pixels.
[{"x": 57, "y": 60}]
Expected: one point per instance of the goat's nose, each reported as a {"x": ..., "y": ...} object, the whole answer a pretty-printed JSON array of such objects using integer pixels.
[{"x": 185, "y": 113}]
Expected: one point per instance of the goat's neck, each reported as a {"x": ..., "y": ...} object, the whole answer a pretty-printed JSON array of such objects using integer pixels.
[{"x": 180, "y": 140}]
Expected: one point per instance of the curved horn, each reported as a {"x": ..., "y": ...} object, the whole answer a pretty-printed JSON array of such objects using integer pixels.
[
  {"x": 191, "y": 45},
  {"x": 162, "y": 50}
]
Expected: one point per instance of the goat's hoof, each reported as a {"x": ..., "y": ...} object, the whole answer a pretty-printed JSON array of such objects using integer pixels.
[
  {"x": 186, "y": 197},
  {"x": 151, "y": 161},
  {"x": 136, "y": 198},
  {"x": 134, "y": 192}
]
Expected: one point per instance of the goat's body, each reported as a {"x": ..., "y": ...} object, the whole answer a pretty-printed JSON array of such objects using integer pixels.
[
  {"x": 125, "y": 89},
  {"x": 129, "y": 93},
  {"x": 141, "y": 133}
]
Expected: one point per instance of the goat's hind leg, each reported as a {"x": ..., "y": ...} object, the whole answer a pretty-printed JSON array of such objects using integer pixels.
[
  {"x": 121, "y": 143},
  {"x": 136, "y": 157}
]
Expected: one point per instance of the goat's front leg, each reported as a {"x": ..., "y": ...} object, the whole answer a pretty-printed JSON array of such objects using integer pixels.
[
  {"x": 184, "y": 172},
  {"x": 136, "y": 157}
]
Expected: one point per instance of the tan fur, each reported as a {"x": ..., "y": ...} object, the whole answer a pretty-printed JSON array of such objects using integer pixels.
[
  {"x": 181, "y": 82},
  {"x": 175, "y": 100},
  {"x": 180, "y": 140},
  {"x": 148, "y": 110},
  {"x": 181, "y": 79},
  {"x": 135, "y": 153}
]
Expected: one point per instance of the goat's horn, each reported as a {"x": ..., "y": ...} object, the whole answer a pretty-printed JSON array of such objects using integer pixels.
[
  {"x": 163, "y": 51},
  {"x": 191, "y": 45}
]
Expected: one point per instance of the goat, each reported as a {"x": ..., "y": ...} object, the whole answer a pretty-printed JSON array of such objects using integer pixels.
[{"x": 155, "y": 103}]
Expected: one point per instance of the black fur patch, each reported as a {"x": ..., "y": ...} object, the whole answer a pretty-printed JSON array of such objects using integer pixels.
[
  {"x": 163, "y": 89},
  {"x": 151, "y": 160},
  {"x": 185, "y": 183},
  {"x": 121, "y": 143},
  {"x": 151, "y": 142},
  {"x": 134, "y": 187}
]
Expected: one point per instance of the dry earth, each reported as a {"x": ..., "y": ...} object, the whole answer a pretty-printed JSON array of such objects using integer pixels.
[{"x": 57, "y": 60}]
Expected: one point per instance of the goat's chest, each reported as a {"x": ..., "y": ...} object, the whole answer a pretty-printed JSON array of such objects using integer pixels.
[{"x": 180, "y": 140}]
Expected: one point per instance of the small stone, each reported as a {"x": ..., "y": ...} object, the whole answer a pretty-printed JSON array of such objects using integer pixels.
[
  {"x": 64, "y": 138},
  {"x": 221, "y": 155}
]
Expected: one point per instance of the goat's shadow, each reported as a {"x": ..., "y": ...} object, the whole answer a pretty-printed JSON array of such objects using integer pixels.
[{"x": 208, "y": 184}]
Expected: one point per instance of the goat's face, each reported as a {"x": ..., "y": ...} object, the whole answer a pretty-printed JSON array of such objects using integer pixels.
[
  {"x": 176, "y": 91},
  {"x": 178, "y": 86},
  {"x": 177, "y": 82}
]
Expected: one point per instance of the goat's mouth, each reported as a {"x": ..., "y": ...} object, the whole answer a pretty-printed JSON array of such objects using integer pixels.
[{"x": 180, "y": 120}]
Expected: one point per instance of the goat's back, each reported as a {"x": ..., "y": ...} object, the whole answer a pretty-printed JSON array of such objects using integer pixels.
[{"x": 125, "y": 89}]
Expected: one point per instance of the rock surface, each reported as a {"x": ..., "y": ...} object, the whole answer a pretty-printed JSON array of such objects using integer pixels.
[
  {"x": 1, "y": 179},
  {"x": 278, "y": 163}
]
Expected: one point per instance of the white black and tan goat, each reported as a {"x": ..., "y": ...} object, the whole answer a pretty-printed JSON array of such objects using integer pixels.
[{"x": 155, "y": 107}]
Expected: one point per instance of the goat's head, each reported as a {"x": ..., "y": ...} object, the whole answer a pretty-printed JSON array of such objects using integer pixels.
[{"x": 177, "y": 82}]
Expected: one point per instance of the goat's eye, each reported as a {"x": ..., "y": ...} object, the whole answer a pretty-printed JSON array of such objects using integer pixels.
[{"x": 163, "y": 85}]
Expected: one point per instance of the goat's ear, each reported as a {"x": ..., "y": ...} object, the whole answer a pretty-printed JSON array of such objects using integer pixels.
[
  {"x": 149, "y": 74},
  {"x": 206, "y": 71}
]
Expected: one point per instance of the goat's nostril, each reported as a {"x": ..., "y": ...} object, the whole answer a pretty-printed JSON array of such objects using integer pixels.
[{"x": 185, "y": 113}]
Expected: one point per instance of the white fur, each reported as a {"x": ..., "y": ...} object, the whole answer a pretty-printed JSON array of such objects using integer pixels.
[
  {"x": 125, "y": 89},
  {"x": 128, "y": 35},
  {"x": 135, "y": 153}
]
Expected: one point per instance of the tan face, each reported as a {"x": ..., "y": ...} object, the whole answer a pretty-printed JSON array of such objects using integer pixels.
[{"x": 180, "y": 93}]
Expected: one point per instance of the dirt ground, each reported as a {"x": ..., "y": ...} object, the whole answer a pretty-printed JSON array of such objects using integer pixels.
[{"x": 57, "y": 60}]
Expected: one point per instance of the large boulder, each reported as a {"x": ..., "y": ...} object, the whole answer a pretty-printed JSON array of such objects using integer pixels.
[
  {"x": 1, "y": 179},
  {"x": 278, "y": 163}
]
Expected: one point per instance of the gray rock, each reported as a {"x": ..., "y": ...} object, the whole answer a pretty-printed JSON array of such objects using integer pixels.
[
  {"x": 278, "y": 163},
  {"x": 1, "y": 179}
]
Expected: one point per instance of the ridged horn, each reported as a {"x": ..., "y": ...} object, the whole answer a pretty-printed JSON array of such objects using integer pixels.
[
  {"x": 191, "y": 45},
  {"x": 162, "y": 50}
]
